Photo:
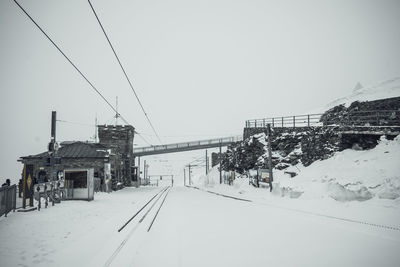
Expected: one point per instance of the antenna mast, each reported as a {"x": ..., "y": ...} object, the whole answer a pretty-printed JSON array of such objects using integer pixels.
[{"x": 116, "y": 108}]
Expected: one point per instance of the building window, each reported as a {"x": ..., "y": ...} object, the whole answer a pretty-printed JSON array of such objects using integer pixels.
[{"x": 78, "y": 177}]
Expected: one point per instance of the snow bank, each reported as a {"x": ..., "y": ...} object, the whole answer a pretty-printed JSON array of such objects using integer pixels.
[{"x": 350, "y": 175}]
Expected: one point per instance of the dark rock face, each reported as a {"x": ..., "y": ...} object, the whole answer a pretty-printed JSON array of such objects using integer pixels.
[
  {"x": 369, "y": 113},
  {"x": 319, "y": 143},
  {"x": 242, "y": 156},
  {"x": 289, "y": 148},
  {"x": 350, "y": 127}
]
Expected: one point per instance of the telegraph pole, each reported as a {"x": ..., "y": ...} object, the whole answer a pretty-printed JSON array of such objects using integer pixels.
[
  {"x": 138, "y": 175},
  {"x": 144, "y": 171},
  {"x": 206, "y": 163},
  {"x": 95, "y": 129},
  {"x": 220, "y": 163},
  {"x": 24, "y": 187},
  {"x": 116, "y": 108},
  {"x": 52, "y": 145},
  {"x": 190, "y": 178},
  {"x": 269, "y": 157},
  {"x": 184, "y": 176}
]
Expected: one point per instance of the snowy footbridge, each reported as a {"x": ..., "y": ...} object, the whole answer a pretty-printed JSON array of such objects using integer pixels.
[{"x": 185, "y": 146}]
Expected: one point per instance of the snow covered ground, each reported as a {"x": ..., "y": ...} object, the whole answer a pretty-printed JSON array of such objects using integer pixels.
[
  {"x": 343, "y": 211},
  {"x": 194, "y": 228},
  {"x": 353, "y": 185}
]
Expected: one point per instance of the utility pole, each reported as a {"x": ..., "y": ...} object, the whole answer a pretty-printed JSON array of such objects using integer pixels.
[
  {"x": 147, "y": 174},
  {"x": 24, "y": 187},
  {"x": 144, "y": 171},
  {"x": 190, "y": 177},
  {"x": 220, "y": 163},
  {"x": 138, "y": 175},
  {"x": 95, "y": 129},
  {"x": 206, "y": 163},
  {"x": 52, "y": 145},
  {"x": 184, "y": 176},
  {"x": 116, "y": 108},
  {"x": 271, "y": 178}
]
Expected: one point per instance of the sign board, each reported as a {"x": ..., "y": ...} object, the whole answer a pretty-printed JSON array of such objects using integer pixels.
[
  {"x": 29, "y": 181},
  {"x": 263, "y": 175},
  {"x": 27, "y": 184}
]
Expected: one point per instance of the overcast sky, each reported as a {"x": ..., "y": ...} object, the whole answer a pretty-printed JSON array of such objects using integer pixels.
[{"x": 201, "y": 68}]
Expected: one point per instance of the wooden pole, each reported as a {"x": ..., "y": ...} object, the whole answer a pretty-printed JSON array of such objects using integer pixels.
[
  {"x": 220, "y": 164},
  {"x": 139, "y": 181},
  {"x": 145, "y": 171},
  {"x": 206, "y": 163},
  {"x": 190, "y": 177},
  {"x": 269, "y": 157},
  {"x": 24, "y": 189}
]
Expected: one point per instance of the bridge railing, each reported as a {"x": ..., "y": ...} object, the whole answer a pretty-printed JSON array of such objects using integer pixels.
[
  {"x": 287, "y": 121},
  {"x": 354, "y": 118},
  {"x": 188, "y": 144}
]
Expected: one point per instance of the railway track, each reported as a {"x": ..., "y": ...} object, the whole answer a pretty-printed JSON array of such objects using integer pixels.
[
  {"x": 154, "y": 200},
  {"x": 387, "y": 227}
]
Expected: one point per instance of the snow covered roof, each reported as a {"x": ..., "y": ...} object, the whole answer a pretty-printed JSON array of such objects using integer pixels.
[{"x": 77, "y": 150}]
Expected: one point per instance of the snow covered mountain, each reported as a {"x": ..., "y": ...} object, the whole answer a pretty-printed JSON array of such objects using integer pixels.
[{"x": 386, "y": 89}]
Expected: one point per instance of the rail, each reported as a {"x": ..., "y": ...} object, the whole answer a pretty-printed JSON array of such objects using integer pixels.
[{"x": 354, "y": 118}]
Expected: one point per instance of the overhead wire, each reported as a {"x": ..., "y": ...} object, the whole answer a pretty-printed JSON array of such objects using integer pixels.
[
  {"x": 125, "y": 74},
  {"x": 77, "y": 123},
  {"x": 77, "y": 69}
]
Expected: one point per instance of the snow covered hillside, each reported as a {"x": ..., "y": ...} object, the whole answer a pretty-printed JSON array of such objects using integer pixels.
[
  {"x": 348, "y": 175},
  {"x": 386, "y": 89}
]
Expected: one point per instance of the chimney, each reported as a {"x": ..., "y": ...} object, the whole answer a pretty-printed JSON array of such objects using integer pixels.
[
  {"x": 51, "y": 146},
  {"x": 53, "y": 126}
]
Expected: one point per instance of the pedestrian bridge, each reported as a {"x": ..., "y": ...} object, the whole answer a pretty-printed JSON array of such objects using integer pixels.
[{"x": 185, "y": 146}]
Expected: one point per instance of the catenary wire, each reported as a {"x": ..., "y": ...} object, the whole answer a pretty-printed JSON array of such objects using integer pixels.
[
  {"x": 125, "y": 74},
  {"x": 77, "y": 69}
]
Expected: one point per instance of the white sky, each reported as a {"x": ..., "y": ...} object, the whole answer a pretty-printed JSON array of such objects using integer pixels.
[{"x": 201, "y": 68}]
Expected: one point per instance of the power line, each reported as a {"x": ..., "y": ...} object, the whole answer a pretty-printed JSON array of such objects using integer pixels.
[
  {"x": 211, "y": 136},
  {"x": 76, "y": 68},
  {"x": 92, "y": 125},
  {"x": 76, "y": 123},
  {"x": 123, "y": 70},
  {"x": 67, "y": 58}
]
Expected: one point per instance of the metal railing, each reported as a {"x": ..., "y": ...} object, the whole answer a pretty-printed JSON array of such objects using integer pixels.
[
  {"x": 8, "y": 199},
  {"x": 354, "y": 118},
  {"x": 288, "y": 121},
  {"x": 178, "y": 146}
]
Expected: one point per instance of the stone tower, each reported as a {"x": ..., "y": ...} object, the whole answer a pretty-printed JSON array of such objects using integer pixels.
[{"x": 119, "y": 139}]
